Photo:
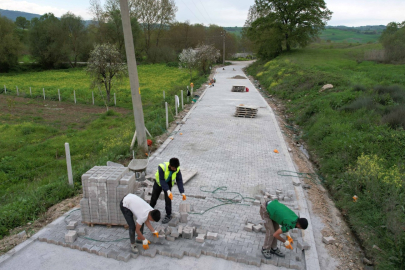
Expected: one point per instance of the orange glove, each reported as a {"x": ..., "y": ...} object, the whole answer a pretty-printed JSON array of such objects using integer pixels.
[
  {"x": 145, "y": 244},
  {"x": 184, "y": 196},
  {"x": 155, "y": 233},
  {"x": 288, "y": 245},
  {"x": 170, "y": 195},
  {"x": 289, "y": 238}
]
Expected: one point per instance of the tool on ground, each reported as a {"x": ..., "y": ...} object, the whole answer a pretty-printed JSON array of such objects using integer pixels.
[
  {"x": 355, "y": 198},
  {"x": 184, "y": 196},
  {"x": 276, "y": 151},
  {"x": 145, "y": 244}
]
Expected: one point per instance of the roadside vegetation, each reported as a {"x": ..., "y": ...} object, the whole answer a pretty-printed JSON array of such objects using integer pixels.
[{"x": 355, "y": 132}]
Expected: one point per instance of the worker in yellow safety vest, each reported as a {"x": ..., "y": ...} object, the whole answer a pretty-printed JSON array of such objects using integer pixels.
[{"x": 167, "y": 175}]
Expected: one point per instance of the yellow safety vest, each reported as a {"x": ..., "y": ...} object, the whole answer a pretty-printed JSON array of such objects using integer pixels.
[{"x": 165, "y": 168}]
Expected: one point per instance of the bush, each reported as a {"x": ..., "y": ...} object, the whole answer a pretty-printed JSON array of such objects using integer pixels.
[
  {"x": 360, "y": 103},
  {"x": 396, "y": 118},
  {"x": 172, "y": 64},
  {"x": 395, "y": 92}
]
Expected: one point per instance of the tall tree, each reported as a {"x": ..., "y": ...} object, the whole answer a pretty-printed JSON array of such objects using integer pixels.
[
  {"x": 154, "y": 16},
  {"x": 188, "y": 60},
  {"x": 22, "y": 22},
  {"x": 106, "y": 67},
  {"x": 393, "y": 40},
  {"x": 298, "y": 20},
  {"x": 74, "y": 37},
  {"x": 9, "y": 46},
  {"x": 46, "y": 40}
]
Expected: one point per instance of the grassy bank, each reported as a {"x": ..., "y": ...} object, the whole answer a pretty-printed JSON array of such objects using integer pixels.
[
  {"x": 33, "y": 131},
  {"x": 356, "y": 134}
]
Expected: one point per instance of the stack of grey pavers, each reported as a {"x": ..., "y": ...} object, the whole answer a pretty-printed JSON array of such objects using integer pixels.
[{"x": 103, "y": 189}]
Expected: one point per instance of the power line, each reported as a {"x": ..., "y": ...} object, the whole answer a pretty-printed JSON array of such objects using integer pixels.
[
  {"x": 206, "y": 12},
  {"x": 199, "y": 11},
  {"x": 190, "y": 10}
]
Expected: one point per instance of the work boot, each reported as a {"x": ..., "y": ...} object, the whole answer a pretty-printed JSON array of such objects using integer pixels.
[
  {"x": 277, "y": 252},
  {"x": 166, "y": 219},
  {"x": 134, "y": 248},
  {"x": 266, "y": 253}
]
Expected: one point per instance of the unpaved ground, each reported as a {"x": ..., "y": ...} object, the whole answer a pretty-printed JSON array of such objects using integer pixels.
[
  {"x": 31, "y": 228},
  {"x": 61, "y": 115},
  {"x": 326, "y": 218}
]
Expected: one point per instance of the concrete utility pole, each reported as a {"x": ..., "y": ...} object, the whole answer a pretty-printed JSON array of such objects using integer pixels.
[
  {"x": 133, "y": 77},
  {"x": 223, "y": 56}
]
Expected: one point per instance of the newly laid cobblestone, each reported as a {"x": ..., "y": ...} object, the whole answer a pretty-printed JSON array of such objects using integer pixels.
[{"x": 226, "y": 151}]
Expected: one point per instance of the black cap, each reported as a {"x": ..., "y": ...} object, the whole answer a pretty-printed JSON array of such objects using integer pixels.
[{"x": 303, "y": 223}]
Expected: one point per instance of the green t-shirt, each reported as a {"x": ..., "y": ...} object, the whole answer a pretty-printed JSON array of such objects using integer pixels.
[{"x": 283, "y": 215}]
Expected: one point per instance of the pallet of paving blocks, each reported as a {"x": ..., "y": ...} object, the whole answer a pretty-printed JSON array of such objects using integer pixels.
[
  {"x": 103, "y": 189},
  {"x": 238, "y": 88},
  {"x": 246, "y": 111}
]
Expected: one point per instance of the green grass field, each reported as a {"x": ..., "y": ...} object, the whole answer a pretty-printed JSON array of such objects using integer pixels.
[
  {"x": 338, "y": 35},
  {"x": 355, "y": 132},
  {"x": 32, "y": 161}
]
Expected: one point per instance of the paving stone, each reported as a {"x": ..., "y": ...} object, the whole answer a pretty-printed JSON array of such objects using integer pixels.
[
  {"x": 195, "y": 253},
  {"x": 82, "y": 231},
  {"x": 187, "y": 234},
  {"x": 248, "y": 228},
  {"x": 161, "y": 239},
  {"x": 124, "y": 256},
  {"x": 254, "y": 261},
  {"x": 257, "y": 228},
  {"x": 174, "y": 222},
  {"x": 328, "y": 240},
  {"x": 212, "y": 236},
  {"x": 72, "y": 225},
  {"x": 112, "y": 254},
  {"x": 296, "y": 265},
  {"x": 256, "y": 202},
  {"x": 177, "y": 254},
  {"x": 103, "y": 252},
  {"x": 232, "y": 257},
  {"x": 95, "y": 250},
  {"x": 200, "y": 239},
  {"x": 134, "y": 255},
  {"x": 302, "y": 245},
  {"x": 175, "y": 234},
  {"x": 168, "y": 231},
  {"x": 284, "y": 262},
  {"x": 201, "y": 231},
  {"x": 170, "y": 238},
  {"x": 70, "y": 237},
  {"x": 87, "y": 247},
  {"x": 183, "y": 217},
  {"x": 151, "y": 252}
]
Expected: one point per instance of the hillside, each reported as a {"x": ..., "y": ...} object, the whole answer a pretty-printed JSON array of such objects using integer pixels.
[
  {"x": 350, "y": 35},
  {"x": 13, "y": 14}
]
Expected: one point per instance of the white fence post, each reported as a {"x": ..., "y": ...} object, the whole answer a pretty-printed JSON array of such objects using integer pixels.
[
  {"x": 69, "y": 164},
  {"x": 182, "y": 103},
  {"x": 167, "y": 116},
  {"x": 74, "y": 95},
  {"x": 92, "y": 96},
  {"x": 175, "y": 103},
  {"x": 5, "y": 90},
  {"x": 115, "y": 100},
  {"x": 59, "y": 94},
  {"x": 192, "y": 94},
  {"x": 30, "y": 92},
  {"x": 18, "y": 93},
  {"x": 43, "y": 90}
]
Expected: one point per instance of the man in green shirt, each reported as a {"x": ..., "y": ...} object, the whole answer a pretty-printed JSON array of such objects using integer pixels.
[{"x": 275, "y": 214}]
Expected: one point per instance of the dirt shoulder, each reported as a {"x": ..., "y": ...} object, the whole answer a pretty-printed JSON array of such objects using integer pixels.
[{"x": 327, "y": 220}]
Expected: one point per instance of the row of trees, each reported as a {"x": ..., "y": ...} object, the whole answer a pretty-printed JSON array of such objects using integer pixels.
[
  {"x": 393, "y": 40},
  {"x": 277, "y": 25},
  {"x": 69, "y": 39}
]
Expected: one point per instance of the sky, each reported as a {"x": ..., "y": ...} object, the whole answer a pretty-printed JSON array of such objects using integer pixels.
[{"x": 232, "y": 12}]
